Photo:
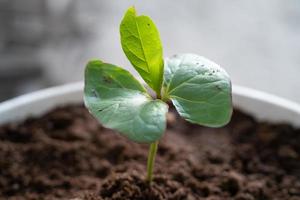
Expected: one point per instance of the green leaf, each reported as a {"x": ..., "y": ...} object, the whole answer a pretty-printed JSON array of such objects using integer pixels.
[
  {"x": 199, "y": 89},
  {"x": 142, "y": 46},
  {"x": 120, "y": 102}
]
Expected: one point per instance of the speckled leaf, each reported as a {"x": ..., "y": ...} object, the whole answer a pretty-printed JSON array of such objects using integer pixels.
[
  {"x": 199, "y": 88},
  {"x": 120, "y": 102},
  {"x": 142, "y": 46}
]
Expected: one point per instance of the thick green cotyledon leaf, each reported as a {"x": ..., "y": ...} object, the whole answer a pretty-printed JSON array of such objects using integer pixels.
[
  {"x": 199, "y": 89},
  {"x": 142, "y": 46},
  {"x": 120, "y": 102}
]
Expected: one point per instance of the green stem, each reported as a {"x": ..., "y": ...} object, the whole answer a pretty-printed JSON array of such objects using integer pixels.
[
  {"x": 158, "y": 95},
  {"x": 150, "y": 162},
  {"x": 152, "y": 154}
]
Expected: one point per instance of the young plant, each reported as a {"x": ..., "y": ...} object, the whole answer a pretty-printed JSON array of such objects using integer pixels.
[{"x": 199, "y": 89}]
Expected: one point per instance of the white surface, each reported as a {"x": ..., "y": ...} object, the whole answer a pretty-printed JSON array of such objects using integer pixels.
[
  {"x": 36, "y": 103},
  {"x": 261, "y": 105}
]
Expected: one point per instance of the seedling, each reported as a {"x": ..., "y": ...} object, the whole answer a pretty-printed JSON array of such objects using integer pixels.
[{"x": 199, "y": 89}]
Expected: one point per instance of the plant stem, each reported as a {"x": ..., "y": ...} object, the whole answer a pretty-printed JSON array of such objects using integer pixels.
[
  {"x": 152, "y": 153},
  {"x": 158, "y": 95},
  {"x": 150, "y": 162}
]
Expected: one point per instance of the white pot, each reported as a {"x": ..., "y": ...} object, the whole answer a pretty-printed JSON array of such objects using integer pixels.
[{"x": 261, "y": 105}]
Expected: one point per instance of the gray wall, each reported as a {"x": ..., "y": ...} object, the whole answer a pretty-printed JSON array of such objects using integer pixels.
[{"x": 257, "y": 42}]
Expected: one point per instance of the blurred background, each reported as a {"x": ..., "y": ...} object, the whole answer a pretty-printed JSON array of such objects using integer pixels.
[{"x": 48, "y": 42}]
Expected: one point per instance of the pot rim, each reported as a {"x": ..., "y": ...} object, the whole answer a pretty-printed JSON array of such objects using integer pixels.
[{"x": 243, "y": 97}]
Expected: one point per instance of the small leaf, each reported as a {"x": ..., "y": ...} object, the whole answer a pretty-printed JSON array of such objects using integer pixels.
[
  {"x": 199, "y": 89},
  {"x": 120, "y": 102},
  {"x": 142, "y": 46}
]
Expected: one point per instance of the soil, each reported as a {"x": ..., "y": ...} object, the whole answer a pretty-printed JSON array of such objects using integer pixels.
[{"x": 66, "y": 154}]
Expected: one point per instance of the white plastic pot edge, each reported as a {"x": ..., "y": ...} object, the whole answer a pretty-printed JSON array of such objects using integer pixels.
[
  {"x": 262, "y": 105},
  {"x": 37, "y": 103}
]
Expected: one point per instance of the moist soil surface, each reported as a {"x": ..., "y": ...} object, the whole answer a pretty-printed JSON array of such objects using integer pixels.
[{"x": 66, "y": 154}]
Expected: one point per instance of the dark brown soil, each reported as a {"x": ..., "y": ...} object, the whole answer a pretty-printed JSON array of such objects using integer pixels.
[{"x": 66, "y": 154}]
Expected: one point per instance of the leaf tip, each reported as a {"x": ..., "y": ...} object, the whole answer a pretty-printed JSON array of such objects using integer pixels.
[
  {"x": 95, "y": 62},
  {"x": 132, "y": 10}
]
